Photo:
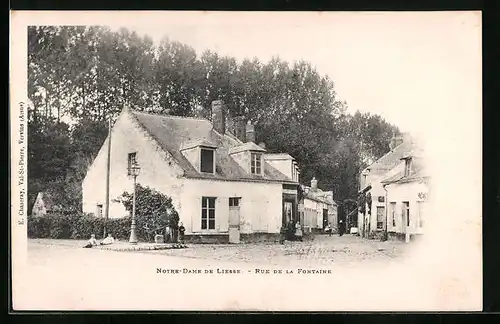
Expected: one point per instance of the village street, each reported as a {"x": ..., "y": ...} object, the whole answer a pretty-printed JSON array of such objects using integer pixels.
[
  {"x": 348, "y": 250},
  {"x": 328, "y": 273},
  {"x": 62, "y": 275}
]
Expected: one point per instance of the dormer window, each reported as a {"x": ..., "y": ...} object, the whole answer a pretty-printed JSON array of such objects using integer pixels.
[
  {"x": 201, "y": 154},
  {"x": 207, "y": 164},
  {"x": 256, "y": 163}
]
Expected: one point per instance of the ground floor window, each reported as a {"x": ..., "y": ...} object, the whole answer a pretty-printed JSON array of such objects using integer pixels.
[
  {"x": 420, "y": 214},
  {"x": 208, "y": 213},
  {"x": 380, "y": 217},
  {"x": 406, "y": 212},
  {"x": 393, "y": 213}
]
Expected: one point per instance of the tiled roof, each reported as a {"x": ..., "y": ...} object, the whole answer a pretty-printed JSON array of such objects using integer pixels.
[
  {"x": 172, "y": 132},
  {"x": 391, "y": 159},
  {"x": 418, "y": 172},
  {"x": 318, "y": 195}
]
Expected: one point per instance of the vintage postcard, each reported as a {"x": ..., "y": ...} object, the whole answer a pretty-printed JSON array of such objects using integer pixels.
[{"x": 246, "y": 161}]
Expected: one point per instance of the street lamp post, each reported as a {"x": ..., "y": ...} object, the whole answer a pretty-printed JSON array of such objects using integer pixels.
[{"x": 134, "y": 171}]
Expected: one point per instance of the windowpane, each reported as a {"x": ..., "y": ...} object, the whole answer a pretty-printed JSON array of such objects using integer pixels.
[
  {"x": 211, "y": 213},
  {"x": 204, "y": 202},
  {"x": 131, "y": 161},
  {"x": 203, "y": 224},
  {"x": 211, "y": 202},
  {"x": 203, "y": 213},
  {"x": 255, "y": 164},
  {"x": 211, "y": 224},
  {"x": 393, "y": 213},
  {"x": 207, "y": 161},
  {"x": 380, "y": 217}
]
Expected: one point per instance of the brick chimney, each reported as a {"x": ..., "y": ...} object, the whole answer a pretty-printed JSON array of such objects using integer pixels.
[
  {"x": 250, "y": 132},
  {"x": 219, "y": 116},
  {"x": 314, "y": 184}
]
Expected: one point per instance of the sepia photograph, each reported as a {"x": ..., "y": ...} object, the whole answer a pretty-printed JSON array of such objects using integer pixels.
[{"x": 246, "y": 161}]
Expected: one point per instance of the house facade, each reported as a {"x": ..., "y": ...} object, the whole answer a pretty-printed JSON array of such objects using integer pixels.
[
  {"x": 372, "y": 194},
  {"x": 318, "y": 208},
  {"x": 225, "y": 187},
  {"x": 407, "y": 199}
]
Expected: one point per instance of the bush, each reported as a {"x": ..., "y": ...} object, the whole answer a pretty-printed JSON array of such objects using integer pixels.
[
  {"x": 79, "y": 226},
  {"x": 153, "y": 212}
]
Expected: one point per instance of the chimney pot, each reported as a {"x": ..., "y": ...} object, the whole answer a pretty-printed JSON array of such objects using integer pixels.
[
  {"x": 219, "y": 116},
  {"x": 250, "y": 132},
  {"x": 314, "y": 184}
]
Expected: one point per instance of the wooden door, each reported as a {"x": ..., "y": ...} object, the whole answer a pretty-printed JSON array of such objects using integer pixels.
[{"x": 234, "y": 220}]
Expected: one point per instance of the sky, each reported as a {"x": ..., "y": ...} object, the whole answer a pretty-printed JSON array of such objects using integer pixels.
[{"x": 398, "y": 65}]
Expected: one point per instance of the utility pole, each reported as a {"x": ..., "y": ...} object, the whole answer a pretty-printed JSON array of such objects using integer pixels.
[{"x": 108, "y": 167}]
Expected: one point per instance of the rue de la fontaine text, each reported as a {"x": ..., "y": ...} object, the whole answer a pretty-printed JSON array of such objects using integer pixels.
[{"x": 221, "y": 271}]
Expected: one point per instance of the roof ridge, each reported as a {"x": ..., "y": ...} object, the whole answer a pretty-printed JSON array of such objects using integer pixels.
[
  {"x": 386, "y": 154},
  {"x": 168, "y": 116}
]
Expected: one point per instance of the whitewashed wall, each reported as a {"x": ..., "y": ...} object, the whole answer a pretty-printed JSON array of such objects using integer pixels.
[
  {"x": 260, "y": 206},
  {"x": 158, "y": 169},
  {"x": 399, "y": 193}
]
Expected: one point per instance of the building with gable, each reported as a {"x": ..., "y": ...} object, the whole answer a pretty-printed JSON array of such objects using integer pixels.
[
  {"x": 319, "y": 208},
  {"x": 372, "y": 214},
  {"x": 45, "y": 204},
  {"x": 225, "y": 187},
  {"x": 407, "y": 198}
]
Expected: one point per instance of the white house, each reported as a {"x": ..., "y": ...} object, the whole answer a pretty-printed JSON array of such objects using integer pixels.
[
  {"x": 407, "y": 193},
  {"x": 319, "y": 208},
  {"x": 371, "y": 221},
  {"x": 225, "y": 188}
]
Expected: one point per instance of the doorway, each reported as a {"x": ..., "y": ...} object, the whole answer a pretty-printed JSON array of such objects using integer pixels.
[
  {"x": 325, "y": 218},
  {"x": 287, "y": 212},
  {"x": 234, "y": 219}
]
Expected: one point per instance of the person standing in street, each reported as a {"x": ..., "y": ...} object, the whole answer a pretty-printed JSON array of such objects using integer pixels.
[
  {"x": 182, "y": 229},
  {"x": 341, "y": 227},
  {"x": 298, "y": 231}
]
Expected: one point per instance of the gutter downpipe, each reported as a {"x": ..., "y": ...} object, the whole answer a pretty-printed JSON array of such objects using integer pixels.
[{"x": 386, "y": 234}]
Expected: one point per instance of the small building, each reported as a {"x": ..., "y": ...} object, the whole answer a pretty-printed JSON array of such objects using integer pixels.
[
  {"x": 225, "y": 187},
  {"x": 319, "y": 208},
  {"x": 45, "y": 205},
  {"x": 407, "y": 202},
  {"x": 372, "y": 195}
]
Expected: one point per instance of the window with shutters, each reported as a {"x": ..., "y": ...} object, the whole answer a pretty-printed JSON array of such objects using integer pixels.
[
  {"x": 208, "y": 213},
  {"x": 256, "y": 163}
]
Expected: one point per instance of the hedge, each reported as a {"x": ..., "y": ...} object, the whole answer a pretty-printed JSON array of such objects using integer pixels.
[{"x": 81, "y": 226}]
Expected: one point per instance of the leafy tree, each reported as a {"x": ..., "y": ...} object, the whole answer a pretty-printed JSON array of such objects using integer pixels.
[
  {"x": 88, "y": 73},
  {"x": 154, "y": 210}
]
